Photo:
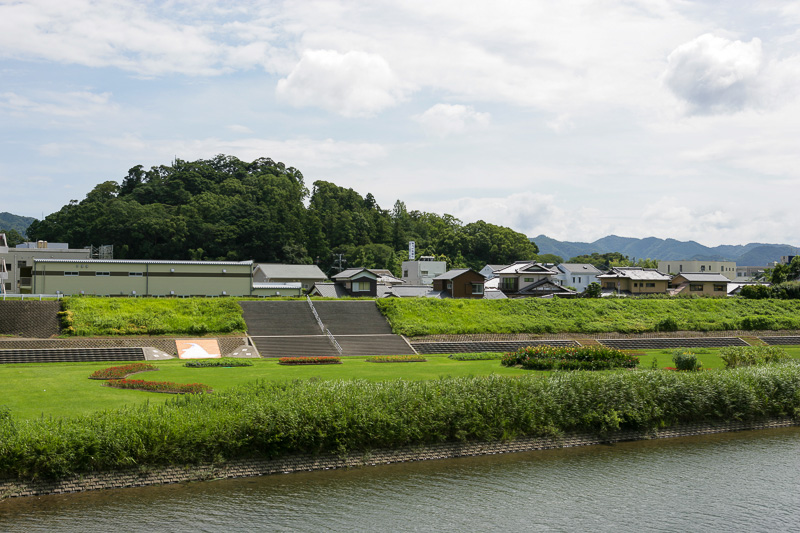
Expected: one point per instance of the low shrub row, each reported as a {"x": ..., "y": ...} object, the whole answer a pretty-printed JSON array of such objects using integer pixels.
[
  {"x": 119, "y": 372},
  {"x": 222, "y": 361},
  {"x": 546, "y": 357},
  {"x": 273, "y": 419},
  {"x": 159, "y": 386},
  {"x": 318, "y": 360},
  {"x": 476, "y": 356},
  {"x": 736, "y": 356},
  {"x": 396, "y": 359}
]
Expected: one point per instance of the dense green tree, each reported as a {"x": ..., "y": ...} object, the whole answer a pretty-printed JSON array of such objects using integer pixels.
[
  {"x": 13, "y": 237},
  {"x": 225, "y": 208}
]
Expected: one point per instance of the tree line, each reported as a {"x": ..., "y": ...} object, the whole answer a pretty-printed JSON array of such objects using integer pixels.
[{"x": 227, "y": 209}]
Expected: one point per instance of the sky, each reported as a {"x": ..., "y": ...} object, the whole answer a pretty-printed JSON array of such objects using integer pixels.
[{"x": 579, "y": 119}]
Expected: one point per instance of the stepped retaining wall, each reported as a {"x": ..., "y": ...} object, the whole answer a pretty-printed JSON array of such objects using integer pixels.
[{"x": 30, "y": 318}]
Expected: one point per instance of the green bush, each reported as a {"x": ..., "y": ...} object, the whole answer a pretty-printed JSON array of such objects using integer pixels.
[
  {"x": 544, "y": 357},
  {"x": 396, "y": 359},
  {"x": 686, "y": 361},
  {"x": 736, "y": 356}
]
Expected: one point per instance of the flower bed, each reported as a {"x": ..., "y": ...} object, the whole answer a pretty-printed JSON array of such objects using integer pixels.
[
  {"x": 159, "y": 386},
  {"x": 223, "y": 361},
  {"x": 119, "y": 372},
  {"x": 396, "y": 359},
  {"x": 570, "y": 358},
  {"x": 320, "y": 360}
]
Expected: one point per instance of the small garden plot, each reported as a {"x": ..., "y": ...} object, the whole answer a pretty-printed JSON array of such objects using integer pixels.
[
  {"x": 221, "y": 362},
  {"x": 569, "y": 358},
  {"x": 320, "y": 360},
  {"x": 119, "y": 372},
  {"x": 396, "y": 359},
  {"x": 159, "y": 386}
]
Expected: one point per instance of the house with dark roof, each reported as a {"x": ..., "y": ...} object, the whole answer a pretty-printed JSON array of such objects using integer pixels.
[
  {"x": 460, "y": 283},
  {"x": 525, "y": 279},
  {"x": 700, "y": 283},
  {"x": 634, "y": 280},
  {"x": 357, "y": 282}
]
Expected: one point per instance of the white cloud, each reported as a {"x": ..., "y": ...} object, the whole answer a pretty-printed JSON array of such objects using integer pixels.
[
  {"x": 352, "y": 84},
  {"x": 313, "y": 153},
  {"x": 71, "y": 104},
  {"x": 713, "y": 74},
  {"x": 447, "y": 119},
  {"x": 238, "y": 128}
]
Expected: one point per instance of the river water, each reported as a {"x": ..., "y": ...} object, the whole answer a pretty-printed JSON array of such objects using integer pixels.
[{"x": 748, "y": 481}]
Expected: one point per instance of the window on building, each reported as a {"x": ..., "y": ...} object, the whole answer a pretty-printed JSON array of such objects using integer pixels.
[
  {"x": 702, "y": 268},
  {"x": 423, "y": 272},
  {"x": 405, "y": 273},
  {"x": 135, "y": 274},
  {"x": 509, "y": 284},
  {"x": 70, "y": 273},
  {"x": 695, "y": 287},
  {"x": 360, "y": 286},
  {"x": 528, "y": 280},
  {"x": 102, "y": 273},
  {"x": 477, "y": 288},
  {"x": 635, "y": 284},
  {"x": 650, "y": 284},
  {"x": 720, "y": 287}
]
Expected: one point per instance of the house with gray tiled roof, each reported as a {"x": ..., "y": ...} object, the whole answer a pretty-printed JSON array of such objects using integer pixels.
[
  {"x": 700, "y": 283},
  {"x": 307, "y": 275},
  {"x": 632, "y": 281},
  {"x": 525, "y": 279},
  {"x": 489, "y": 270}
]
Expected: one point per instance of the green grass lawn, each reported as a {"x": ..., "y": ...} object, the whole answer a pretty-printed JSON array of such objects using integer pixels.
[{"x": 63, "y": 389}]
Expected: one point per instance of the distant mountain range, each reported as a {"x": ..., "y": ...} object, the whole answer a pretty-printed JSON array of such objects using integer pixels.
[
  {"x": 753, "y": 254},
  {"x": 19, "y": 223}
]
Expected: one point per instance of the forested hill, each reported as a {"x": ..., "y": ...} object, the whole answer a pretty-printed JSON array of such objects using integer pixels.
[
  {"x": 17, "y": 223},
  {"x": 228, "y": 209},
  {"x": 753, "y": 254}
]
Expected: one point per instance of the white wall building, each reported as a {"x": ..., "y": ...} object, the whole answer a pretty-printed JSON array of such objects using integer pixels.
[
  {"x": 423, "y": 271},
  {"x": 577, "y": 275}
]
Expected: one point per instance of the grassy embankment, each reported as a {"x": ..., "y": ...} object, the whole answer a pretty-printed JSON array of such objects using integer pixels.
[
  {"x": 151, "y": 316},
  {"x": 421, "y": 316},
  {"x": 271, "y": 419}
]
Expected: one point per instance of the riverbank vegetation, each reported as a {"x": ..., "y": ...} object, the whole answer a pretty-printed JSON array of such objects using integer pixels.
[
  {"x": 89, "y": 316},
  {"x": 427, "y": 316},
  {"x": 271, "y": 419},
  {"x": 544, "y": 357}
]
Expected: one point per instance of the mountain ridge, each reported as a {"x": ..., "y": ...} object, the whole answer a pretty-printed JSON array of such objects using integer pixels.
[{"x": 751, "y": 254}]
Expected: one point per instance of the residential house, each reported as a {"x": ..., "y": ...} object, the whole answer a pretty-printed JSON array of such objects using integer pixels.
[
  {"x": 577, "y": 275},
  {"x": 748, "y": 273},
  {"x": 306, "y": 275},
  {"x": 726, "y": 268},
  {"x": 357, "y": 282},
  {"x": 530, "y": 279},
  {"x": 633, "y": 281},
  {"x": 460, "y": 283},
  {"x": 700, "y": 283}
]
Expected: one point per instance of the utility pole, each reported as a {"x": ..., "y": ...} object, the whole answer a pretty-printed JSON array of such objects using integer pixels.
[{"x": 338, "y": 262}]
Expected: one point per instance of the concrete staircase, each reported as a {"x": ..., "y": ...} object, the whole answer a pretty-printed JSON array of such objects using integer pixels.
[
  {"x": 775, "y": 341},
  {"x": 656, "y": 343},
  {"x": 286, "y": 329}
]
